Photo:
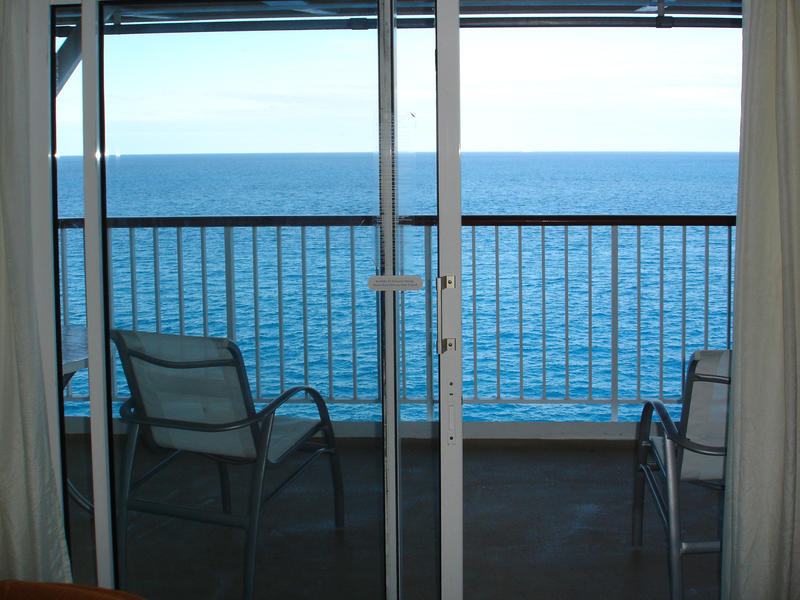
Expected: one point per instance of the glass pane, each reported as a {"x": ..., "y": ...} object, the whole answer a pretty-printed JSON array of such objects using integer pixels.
[
  {"x": 418, "y": 373},
  {"x": 69, "y": 263},
  {"x": 242, "y": 201},
  {"x": 573, "y": 317}
]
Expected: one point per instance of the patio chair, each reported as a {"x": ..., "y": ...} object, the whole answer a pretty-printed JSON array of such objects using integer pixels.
[
  {"x": 693, "y": 450},
  {"x": 191, "y": 394}
]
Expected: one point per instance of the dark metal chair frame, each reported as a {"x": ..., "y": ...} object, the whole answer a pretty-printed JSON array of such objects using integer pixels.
[
  {"x": 260, "y": 423},
  {"x": 663, "y": 477}
]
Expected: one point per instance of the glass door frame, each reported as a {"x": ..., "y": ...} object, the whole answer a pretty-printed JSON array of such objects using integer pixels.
[
  {"x": 448, "y": 174},
  {"x": 449, "y": 241},
  {"x": 97, "y": 318}
]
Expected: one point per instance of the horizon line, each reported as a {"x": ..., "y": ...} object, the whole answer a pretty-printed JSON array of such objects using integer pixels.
[{"x": 320, "y": 152}]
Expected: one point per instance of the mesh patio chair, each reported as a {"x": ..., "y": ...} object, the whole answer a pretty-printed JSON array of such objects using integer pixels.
[
  {"x": 191, "y": 394},
  {"x": 693, "y": 450}
]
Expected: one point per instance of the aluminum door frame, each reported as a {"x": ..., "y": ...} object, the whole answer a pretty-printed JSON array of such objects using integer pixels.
[
  {"x": 96, "y": 311},
  {"x": 448, "y": 162}
]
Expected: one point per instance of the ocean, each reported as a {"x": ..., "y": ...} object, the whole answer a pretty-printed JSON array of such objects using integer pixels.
[{"x": 561, "y": 336}]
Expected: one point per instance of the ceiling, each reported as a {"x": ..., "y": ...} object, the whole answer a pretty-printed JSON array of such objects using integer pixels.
[{"x": 153, "y": 17}]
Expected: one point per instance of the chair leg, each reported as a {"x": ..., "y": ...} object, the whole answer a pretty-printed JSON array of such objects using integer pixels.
[
  {"x": 641, "y": 453},
  {"x": 674, "y": 523},
  {"x": 256, "y": 492},
  {"x": 638, "y": 503},
  {"x": 336, "y": 475},
  {"x": 338, "y": 488},
  {"x": 225, "y": 487}
]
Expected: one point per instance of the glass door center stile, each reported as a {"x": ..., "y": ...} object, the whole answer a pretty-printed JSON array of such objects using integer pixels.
[
  {"x": 96, "y": 322},
  {"x": 448, "y": 156}
]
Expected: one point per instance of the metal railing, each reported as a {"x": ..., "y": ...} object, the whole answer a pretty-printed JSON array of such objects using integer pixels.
[
  {"x": 588, "y": 310},
  {"x": 578, "y": 311}
]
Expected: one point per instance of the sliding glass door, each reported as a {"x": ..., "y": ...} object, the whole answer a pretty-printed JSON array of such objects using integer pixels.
[
  {"x": 248, "y": 176},
  {"x": 286, "y": 174}
]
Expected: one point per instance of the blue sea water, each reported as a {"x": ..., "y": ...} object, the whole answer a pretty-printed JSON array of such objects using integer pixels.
[{"x": 341, "y": 357}]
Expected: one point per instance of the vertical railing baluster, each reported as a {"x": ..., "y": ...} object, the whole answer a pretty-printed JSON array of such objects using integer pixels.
[
  {"x": 132, "y": 262},
  {"x": 474, "y": 321},
  {"x": 683, "y": 306},
  {"x": 65, "y": 320},
  {"x": 230, "y": 284},
  {"x": 707, "y": 291},
  {"x": 204, "y": 279},
  {"x": 157, "y": 278},
  {"x": 181, "y": 306},
  {"x": 353, "y": 328},
  {"x": 281, "y": 325},
  {"x": 614, "y": 323},
  {"x": 429, "y": 345},
  {"x": 544, "y": 317},
  {"x": 110, "y": 275},
  {"x": 304, "y": 279},
  {"x": 730, "y": 287},
  {"x": 590, "y": 312},
  {"x": 378, "y": 262},
  {"x": 400, "y": 256},
  {"x": 661, "y": 312},
  {"x": 329, "y": 308},
  {"x": 64, "y": 276},
  {"x": 566, "y": 312},
  {"x": 497, "y": 305},
  {"x": 638, "y": 312},
  {"x": 111, "y": 308},
  {"x": 256, "y": 311},
  {"x": 520, "y": 312}
]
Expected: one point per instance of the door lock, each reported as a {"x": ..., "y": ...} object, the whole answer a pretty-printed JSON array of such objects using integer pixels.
[{"x": 443, "y": 344}]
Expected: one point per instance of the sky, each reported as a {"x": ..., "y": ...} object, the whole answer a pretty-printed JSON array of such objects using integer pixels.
[{"x": 543, "y": 89}]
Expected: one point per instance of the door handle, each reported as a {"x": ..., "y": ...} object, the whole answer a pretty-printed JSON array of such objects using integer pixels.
[{"x": 443, "y": 344}]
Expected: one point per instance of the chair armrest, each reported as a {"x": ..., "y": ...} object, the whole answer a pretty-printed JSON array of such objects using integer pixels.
[
  {"x": 128, "y": 415},
  {"x": 646, "y": 421},
  {"x": 702, "y": 448},
  {"x": 712, "y": 378},
  {"x": 317, "y": 398},
  {"x": 670, "y": 429}
]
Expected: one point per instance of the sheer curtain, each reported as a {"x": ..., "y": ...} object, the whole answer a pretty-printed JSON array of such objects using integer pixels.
[
  {"x": 761, "y": 544},
  {"x": 32, "y": 543}
]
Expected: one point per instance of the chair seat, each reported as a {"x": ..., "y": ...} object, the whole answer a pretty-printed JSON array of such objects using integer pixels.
[
  {"x": 694, "y": 466},
  {"x": 286, "y": 431}
]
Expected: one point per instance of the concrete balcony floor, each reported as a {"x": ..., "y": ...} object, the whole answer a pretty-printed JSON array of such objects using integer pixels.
[{"x": 542, "y": 519}]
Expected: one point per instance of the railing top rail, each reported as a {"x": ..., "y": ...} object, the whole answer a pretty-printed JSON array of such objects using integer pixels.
[
  {"x": 231, "y": 221},
  {"x": 672, "y": 220},
  {"x": 421, "y": 220}
]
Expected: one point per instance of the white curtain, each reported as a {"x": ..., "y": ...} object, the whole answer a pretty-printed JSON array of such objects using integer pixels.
[
  {"x": 761, "y": 541},
  {"x": 32, "y": 543}
]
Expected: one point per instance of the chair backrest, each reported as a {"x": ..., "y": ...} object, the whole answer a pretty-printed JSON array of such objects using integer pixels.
[
  {"x": 189, "y": 379},
  {"x": 704, "y": 417}
]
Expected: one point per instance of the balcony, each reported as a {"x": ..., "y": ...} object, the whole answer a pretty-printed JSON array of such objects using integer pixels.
[
  {"x": 569, "y": 323},
  {"x": 566, "y": 318}
]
